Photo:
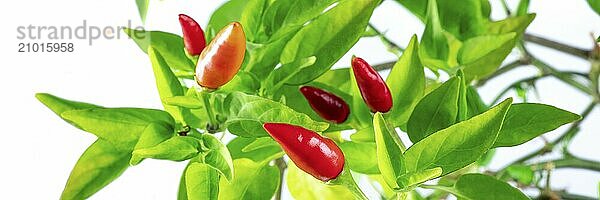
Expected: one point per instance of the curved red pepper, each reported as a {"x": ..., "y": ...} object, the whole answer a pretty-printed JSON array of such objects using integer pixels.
[
  {"x": 329, "y": 106},
  {"x": 193, "y": 35},
  {"x": 222, "y": 58},
  {"x": 373, "y": 89},
  {"x": 316, "y": 155}
]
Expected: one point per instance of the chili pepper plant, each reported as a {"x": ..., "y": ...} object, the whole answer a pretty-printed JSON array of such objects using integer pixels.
[{"x": 261, "y": 72}]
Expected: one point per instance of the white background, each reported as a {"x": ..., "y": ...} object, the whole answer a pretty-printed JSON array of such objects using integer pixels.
[{"x": 38, "y": 149}]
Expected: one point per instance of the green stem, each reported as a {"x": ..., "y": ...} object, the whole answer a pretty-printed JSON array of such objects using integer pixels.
[
  {"x": 280, "y": 163},
  {"x": 508, "y": 67},
  {"x": 581, "y": 53},
  {"x": 568, "y": 162},
  {"x": 213, "y": 125},
  {"x": 345, "y": 179},
  {"x": 545, "y": 68},
  {"x": 391, "y": 46},
  {"x": 384, "y": 66}
]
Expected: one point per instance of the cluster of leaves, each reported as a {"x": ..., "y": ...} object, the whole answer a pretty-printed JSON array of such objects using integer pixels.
[{"x": 294, "y": 43}]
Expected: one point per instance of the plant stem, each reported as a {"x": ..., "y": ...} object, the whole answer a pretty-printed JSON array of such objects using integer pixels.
[
  {"x": 213, "y": 125},
  {"x": 545, "y": 68},
  {"x": 345, "y": 179},
  {"x": 384, "y": 66},
  {"x": 391, "y": 46},
  {"x": 280, "y": 163},
  {"x": 508, "y": 67},
  {"x": 568, "y": 162},
  {"x": 581, "y": 53}
]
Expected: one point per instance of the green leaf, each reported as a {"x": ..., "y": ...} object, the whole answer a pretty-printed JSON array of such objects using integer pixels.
[
  {"x": 59, "y": 105},
  {"x": 480, "y": 187},
  {"x": 389, "y": 151},
  {"x": 364, "y": 135},
  {"x": 407, "y": 84},
  {"x": 417, "y": 7},
  {"x": 201, "y": 182},
  {"x": 328, "y": 41},
  {"x": 184, "y": 101},
  {"x": 154, "y": 134},
  {"x": 142, "y": 6},
  {"x": 259, "y": 143},
  {"x": 120, "y": 126},
  {"x": 595, "y": 5},
  {"x": 463, "y": 106},
  {"x": 361, "y": 157},
  {"x": 435, "y": 47},
  {"x": 244, "y": 82},
  {"x": 252, "y": 181},
  {"x": 526, "y": 121},
  {"x": 247, "y": 113},
  {"x": 464, "y": 20},
  {"x": 516, "y": 24},
  {"x": 482, "y": 55},
  {"x": 436, "y": 111},
  {"x": 304, "y": 186},
  {"x": 285, "y": 15},
  {"x": 182, "y": 190},
  {"x": 169, "y": 45},
  {"x": 287, "y": 71},
  {"x": 176, "y": 149},
  {"x": 522, "y": 173},
  {"x": 410, "y": 181},
  {"x": 359, "y": 110},
  {"x": 99, "y": 165},
  {"x": 167, "y": 83},
  {"x": 230, "y": 11},
  {"x": 260, "y": 155},
  {"x": 475, "y": 104},
  {"x": 218, "y": 156},
  {"x": 458, "y": 145},
  {"x": 251, "y": 20}
]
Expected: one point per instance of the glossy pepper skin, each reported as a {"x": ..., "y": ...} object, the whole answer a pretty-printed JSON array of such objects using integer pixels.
[
  {"x": 222, "y": 58},
  {"x": 373, "y": 89},
  {"x": 316, "y": 155},
  {"x": 329, "y": 106},
  {"x": 193, "y": 35}
]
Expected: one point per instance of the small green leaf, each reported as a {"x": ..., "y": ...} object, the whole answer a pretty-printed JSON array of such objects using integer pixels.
[
  {"x": 595, "y": 5},
  {"x": 482, "y": 55},
  {"x": 247, "y": 113},
  {"x": 475, "y": 104},
  {"x": 154, "y": 134},
  {"x": 260, "y": 143},
  {"x": 142, "y": 6},
  {"x": 167, "y": 83},
  {"x": 410, "y": 181},
  {"x": 522, "y": 173},
  {"x": 230, "y": 11},
  {"x": 526, "y": 121},
  {"x": 328, "y": 41},
  {"x": 120, "y": 126},
  {"x": 361, "y": 157},
  {"x": 251, "y": 20},
  {"x": 285, "y": 15},
  {"x": 389, "y": 151},
  {"x": 201, "y": 181},
  {"x": 364, "y": 135},
  {"x": 169, "y": 45},
  {"x": 252, "y": 181},
  {"x": 244, "y": 82},
  {"x": 481, "y": 187},
  {"x": 184, "y": 101},
  {"x": 59, "y": 105},
  {"x": 458, "y": 145},
  {"x": 99, "y": 165},
  {"x": 304, "y": 186},
  {"x": 516, "y": 24},
  {"x": 176, "y": 149},
  {"x": 436, "y": 111},
  {"x": 434, "y": 47},
  {"x": 407, "y": 84},
  {"x": 260, "y": 155},
  {"x": 218, "y": 156},
  {"x": 463, "y": 106}
]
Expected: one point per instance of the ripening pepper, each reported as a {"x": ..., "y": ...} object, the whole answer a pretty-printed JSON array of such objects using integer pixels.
[
  {"x": 373, "y": 89},
  {"x": 314, "y": 154},
  {"x": 329, "y": 106},
  {"x": 222, "y": 58},
  {"x": 193, "y": 35}
]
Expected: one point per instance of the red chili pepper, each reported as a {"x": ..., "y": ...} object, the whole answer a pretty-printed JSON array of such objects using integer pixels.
[
  {"x": 222, "y": 58},
  {"x": 193, "y": 35},
  {"x": 316, "y": 155},
  {"x": 329, "y": 106},
  {"x": 373, "y": 89}
]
